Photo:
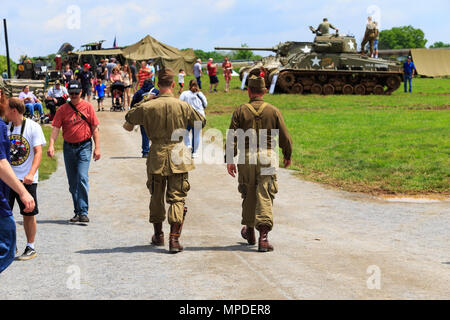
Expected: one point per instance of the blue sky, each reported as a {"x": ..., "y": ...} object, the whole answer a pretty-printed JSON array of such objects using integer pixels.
[{"x": 41, "y": 27}]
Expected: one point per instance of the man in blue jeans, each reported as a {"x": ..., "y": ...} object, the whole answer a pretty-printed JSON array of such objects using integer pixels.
[
  {"x": 147, "y": 90},
  {"x": 408, "y": 73},
  {"x": 198, "y": 72},
  {"x": 79, "y": 124}
]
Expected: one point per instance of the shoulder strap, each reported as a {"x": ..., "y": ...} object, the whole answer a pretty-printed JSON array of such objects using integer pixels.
[
  {"x": 260, "y": 110},
  {"x": 82, "y": 116},
  {"x": 257, "y": 122},
  {"x": 22, "y": 129}
]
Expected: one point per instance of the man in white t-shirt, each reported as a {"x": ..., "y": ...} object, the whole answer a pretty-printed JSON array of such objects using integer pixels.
[{"x": 26, "y": 138}]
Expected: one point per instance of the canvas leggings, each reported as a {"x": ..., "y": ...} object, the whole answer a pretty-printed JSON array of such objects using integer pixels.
[
  {"x": 258, "y": 192},
  {"x": 175, "y": 189}
]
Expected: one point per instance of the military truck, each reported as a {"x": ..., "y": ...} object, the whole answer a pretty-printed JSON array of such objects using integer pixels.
[
  {"x": 41, "y": 69},
  {"x": 329, "y": 65}
]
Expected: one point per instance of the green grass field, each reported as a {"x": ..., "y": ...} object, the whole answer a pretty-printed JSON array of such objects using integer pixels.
[
  {"x": 48, "y": 165},
  {"x": 397, "y": 144}
]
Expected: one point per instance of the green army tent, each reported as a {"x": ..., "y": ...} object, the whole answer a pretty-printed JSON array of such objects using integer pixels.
[{"x": 163, "y": 55}]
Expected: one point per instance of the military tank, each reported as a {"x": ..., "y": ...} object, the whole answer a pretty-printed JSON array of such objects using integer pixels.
[
  {"x": 329, "y": 65},
  {"x": 271, "y": 63}
]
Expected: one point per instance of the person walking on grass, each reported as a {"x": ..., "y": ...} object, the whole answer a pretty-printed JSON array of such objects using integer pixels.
[
  {"x": 227, "y": 69},
  {"x": 79, "y": 125},
  {"x": 408, "y": 73},
  {"x": 198, "y": 73},
  {"x": 27, "y": 139},
  {"x": 8, "y": 182},
  {"x": 181, "y": 75},
  {"x": 212, "y": 72}
]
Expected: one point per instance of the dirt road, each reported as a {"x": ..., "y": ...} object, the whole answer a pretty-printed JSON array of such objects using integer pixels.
[{"x": 328, "y": 244}]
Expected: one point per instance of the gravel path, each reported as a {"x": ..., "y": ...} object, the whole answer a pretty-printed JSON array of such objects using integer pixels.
[{"x": 329, "y": 244}]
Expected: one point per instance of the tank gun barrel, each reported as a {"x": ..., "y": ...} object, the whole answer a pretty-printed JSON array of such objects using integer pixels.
[{"x": 246, "y": 48}]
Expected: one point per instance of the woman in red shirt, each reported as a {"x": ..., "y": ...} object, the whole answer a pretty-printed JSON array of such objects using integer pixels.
[{"x": 227, "y": 67}]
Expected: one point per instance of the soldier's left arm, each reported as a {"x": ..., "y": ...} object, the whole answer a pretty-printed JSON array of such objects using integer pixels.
[
  {"x": 194, "y": 116},
  {"x": 285, "y": 137}
]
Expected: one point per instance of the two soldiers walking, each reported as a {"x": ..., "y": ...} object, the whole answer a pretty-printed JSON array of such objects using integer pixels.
[{"x": 169, "y": 161}]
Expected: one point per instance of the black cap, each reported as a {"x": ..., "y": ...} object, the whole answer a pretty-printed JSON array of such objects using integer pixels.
[{"x": 74, "y": 87}]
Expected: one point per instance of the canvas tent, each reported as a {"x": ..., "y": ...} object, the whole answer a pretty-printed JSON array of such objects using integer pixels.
[
  {"x": 432, "y": 62},
  {"x": 164, "y": 56}
]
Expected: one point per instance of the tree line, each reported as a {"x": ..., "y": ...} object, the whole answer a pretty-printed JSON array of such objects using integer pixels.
[{"x": 406, "y": 37}]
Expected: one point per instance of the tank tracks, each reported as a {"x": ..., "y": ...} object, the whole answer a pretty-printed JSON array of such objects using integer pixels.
[{"x": 338, "y": 82}]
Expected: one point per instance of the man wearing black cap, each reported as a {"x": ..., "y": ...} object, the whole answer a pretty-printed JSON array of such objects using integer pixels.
[
  {"x": 167, "y": 171},
  {"x": 258, "y": 158},
  {"x": 79, "y": 125},
  {"x": 85, "y": 77}
]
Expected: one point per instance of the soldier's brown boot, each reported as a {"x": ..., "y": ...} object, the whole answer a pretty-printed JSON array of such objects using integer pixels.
[
  {"x": 158, "y": 237},
  {"x": 263, "y": 244},
  {"x": 175, "y": 233},
  {"x": 248, "y": 233}
]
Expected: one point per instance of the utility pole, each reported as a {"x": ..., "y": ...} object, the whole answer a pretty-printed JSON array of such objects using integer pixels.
[{"x": 7, "y": 49}]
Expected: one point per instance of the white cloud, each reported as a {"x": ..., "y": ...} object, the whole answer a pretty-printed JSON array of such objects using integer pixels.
[
  {"x": 56, "y": 24},
  {"x": 223, "y": 5}
]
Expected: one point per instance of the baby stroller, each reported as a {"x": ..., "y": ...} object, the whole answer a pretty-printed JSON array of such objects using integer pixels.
[{"x": 117, "y": 89}]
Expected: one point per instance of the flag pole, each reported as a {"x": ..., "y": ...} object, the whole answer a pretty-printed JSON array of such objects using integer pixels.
[{"x": 7, "y": 49}]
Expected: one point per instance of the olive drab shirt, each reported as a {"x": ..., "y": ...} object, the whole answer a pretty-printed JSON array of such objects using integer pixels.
[
  {"x": 160, "y": 117},
  {"x": 324, "y": 28},
  {"x": 270, "y": 118},
  {"x": 371, "y": 31}
]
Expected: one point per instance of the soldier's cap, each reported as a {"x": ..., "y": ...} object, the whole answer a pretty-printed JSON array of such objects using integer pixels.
[
  {"x": 74, "y": 87},
  {"x": 165, "y": 77},
  {"x": 256, "y": 82}
]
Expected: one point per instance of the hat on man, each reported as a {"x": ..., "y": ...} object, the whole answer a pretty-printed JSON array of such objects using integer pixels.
[
  {"x": 74, "y": 87},
  {"x": 87, "y": 65},
  {"x": 256, "y": 82},
  {"x": 57, "y": 82},
  {"x": 165, "y": 77}
]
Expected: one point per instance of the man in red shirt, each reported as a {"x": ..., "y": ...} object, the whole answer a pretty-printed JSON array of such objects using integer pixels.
[
  {"x": 79, "y": 125},
  {"x": 212, "y": 72},
  {"x": 144, "y": 73}
]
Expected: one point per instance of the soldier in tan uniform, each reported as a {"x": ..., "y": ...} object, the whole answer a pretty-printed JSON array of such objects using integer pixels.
[
  {"x": 369, "y": 36},
  {"x": 168, "y": 162},
  {"x": 257, "y": 179}
]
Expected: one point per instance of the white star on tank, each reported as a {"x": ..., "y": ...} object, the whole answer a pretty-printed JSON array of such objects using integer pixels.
[
  {"x": 306, "y": 49},
  {"x": 315, "y": 61},
  {"x": 351, "y": 45}
]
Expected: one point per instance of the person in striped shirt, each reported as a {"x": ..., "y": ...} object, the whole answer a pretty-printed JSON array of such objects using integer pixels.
[{"x": 144, "y": 73}]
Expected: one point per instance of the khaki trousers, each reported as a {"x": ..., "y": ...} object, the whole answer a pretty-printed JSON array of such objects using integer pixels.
[
  {"x": 370, "y": 38},
  {"x": 258, "y": 192},
  {"x": 175, "y": 188}
]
